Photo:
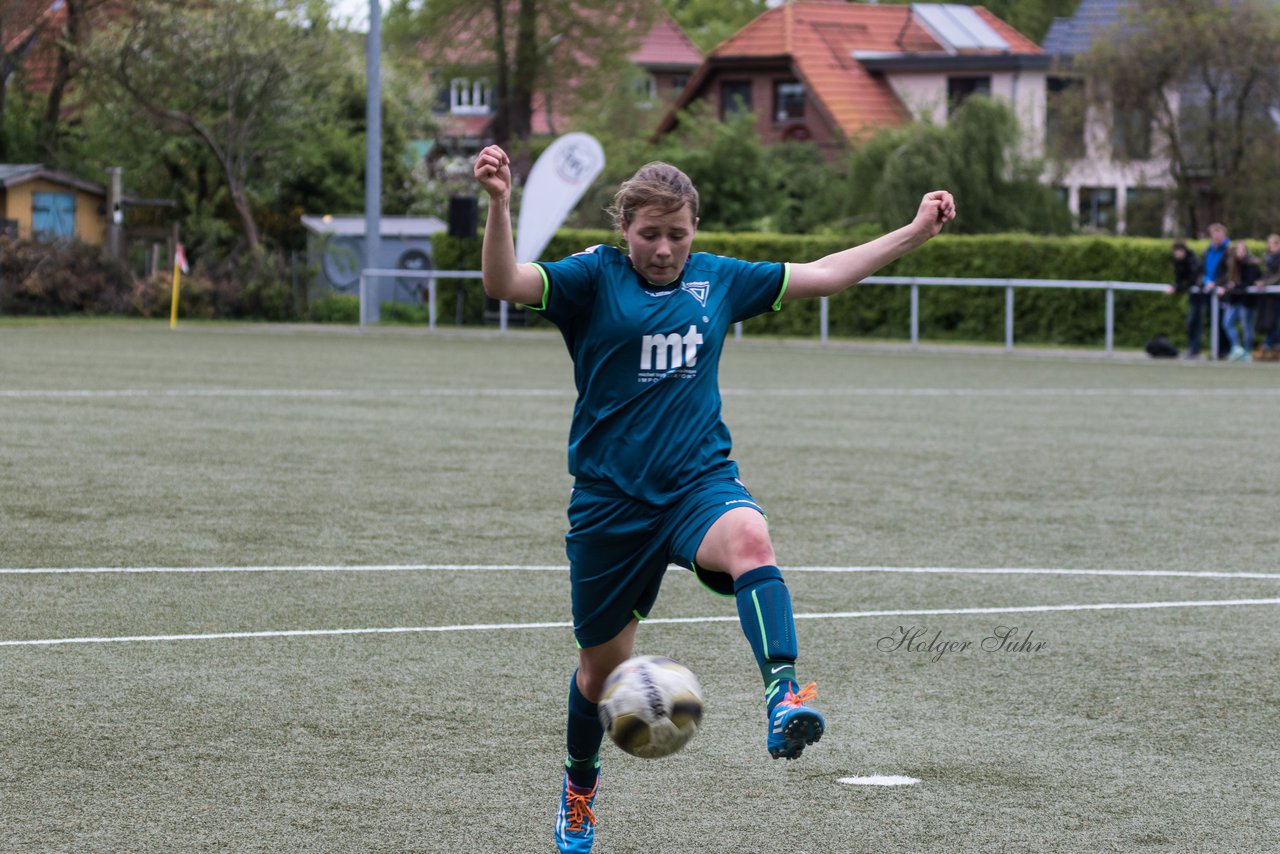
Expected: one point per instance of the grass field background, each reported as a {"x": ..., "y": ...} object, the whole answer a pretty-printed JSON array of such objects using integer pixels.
[{"x": 294, "y": 450}]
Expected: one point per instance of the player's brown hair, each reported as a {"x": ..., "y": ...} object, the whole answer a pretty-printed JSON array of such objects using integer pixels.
[{"x": 656, "y": 184}]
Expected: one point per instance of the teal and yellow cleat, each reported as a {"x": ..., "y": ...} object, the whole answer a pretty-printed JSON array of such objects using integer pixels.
[
  {"x": 793, "y": 726},
  {"x": 575, "y": 822}
]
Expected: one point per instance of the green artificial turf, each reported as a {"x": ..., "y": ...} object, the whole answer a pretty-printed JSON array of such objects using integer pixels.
[{"x": 218, "y": 446}]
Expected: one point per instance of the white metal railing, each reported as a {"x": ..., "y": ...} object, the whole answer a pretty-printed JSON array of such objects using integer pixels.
[
  {"x": 913, "y": 282},
  {"x": 431, "y": 276}
]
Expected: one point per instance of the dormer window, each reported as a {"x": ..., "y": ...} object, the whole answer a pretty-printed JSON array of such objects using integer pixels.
[
  {"x": 646, "y": 89},
  {"x": 961, "y": 89},
  {"x": 735, "y": 97},
  {"x": 469, "y": 97},
  {"x": 788, "y": 101}
]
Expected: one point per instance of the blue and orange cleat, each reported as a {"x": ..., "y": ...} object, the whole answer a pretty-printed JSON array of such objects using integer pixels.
[
  {"x": 793, "y": 726},
  {"x": 575, "y": 822}
]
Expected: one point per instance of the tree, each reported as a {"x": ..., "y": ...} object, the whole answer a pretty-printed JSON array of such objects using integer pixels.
[
  {"x": 1206, "y": 75},
  {"x": 975, "y": 156},
  {"x": 552, "y": 47},
  {"x": 79, "y": 23},
  {"x": 23, "y": 26},
  {"x": 727, "y": 163},
  {"x": 709, "y": 22},
  {"x": 239, "y": 76}
]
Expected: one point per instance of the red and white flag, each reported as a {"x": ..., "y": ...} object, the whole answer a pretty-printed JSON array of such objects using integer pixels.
[{"x": 180, "y": 259}]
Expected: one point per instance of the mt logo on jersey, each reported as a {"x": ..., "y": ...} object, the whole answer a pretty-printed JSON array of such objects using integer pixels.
[{"x": 662, "y": 352}]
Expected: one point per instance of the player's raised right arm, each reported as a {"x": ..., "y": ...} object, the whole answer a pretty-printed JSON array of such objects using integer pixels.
[{"x": 503, "y": 277}]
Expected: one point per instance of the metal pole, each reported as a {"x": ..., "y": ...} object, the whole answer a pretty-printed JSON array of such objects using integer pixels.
[
  {"x": 502, "y": 315},
  {"x": 915, "y": 315},
  {"x": 1214, "y": 331},
  {"x": 824, "y": 320},
  {"x": 364, "y": 301},
  {"x": 431, "y": 304},
  {"x": 1111, "y": 321},
  {"x": 115, "y": 213},
  {"x": 737, "y": 331},
  {"x": 1008, "y": 318},
  {"x": 372, "y": 157}
]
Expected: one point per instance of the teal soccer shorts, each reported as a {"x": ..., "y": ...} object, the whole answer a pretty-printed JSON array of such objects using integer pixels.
[{"x": 619, "y": 549}]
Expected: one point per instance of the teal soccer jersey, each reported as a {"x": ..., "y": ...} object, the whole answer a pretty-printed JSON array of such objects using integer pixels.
[{"x": 646, "y": 358}]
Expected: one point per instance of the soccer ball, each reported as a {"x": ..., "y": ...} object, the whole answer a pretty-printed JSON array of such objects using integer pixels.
[{"x": 651, "y": 706}]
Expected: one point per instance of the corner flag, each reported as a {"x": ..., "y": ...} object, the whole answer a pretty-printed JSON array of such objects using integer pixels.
[{"x": 179, "y": 267}]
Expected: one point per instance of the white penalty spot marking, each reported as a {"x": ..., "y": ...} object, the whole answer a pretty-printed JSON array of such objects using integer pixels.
[{"x": 879, "y": 780}]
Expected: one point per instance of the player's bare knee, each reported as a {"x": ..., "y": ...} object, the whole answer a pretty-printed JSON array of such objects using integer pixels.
[
  {"x": 752, "y": 546},
  {"x": 591, "y": 684}
]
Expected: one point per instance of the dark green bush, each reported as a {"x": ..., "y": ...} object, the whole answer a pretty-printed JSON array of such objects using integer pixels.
[
  {"x": 458, "y": 297},
  {"x": 198, "y": 296},
  {"x": 253, "y": 288},
  {"x": 264, "y": 290},
  {"x": 1042, "y": 315},
  {"x": 335, "y": 308},
  {"x": 69, "y": 277},
  {"x": 403, "y": 312}
]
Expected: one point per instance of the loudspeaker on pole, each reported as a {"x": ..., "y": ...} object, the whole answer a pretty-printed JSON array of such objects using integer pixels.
[{"x": 463, "y": 216}]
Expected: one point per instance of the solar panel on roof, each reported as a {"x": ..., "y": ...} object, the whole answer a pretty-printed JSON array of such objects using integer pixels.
[{"x": 957, "y": 27}]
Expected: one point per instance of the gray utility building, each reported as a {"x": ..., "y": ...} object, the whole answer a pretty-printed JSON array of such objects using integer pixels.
[{"x": 335, "y": 249}]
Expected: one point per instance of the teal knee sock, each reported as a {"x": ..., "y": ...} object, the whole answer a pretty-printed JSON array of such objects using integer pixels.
[
  {"x": 583, "y": 738},
  {"x": 764, "y": 607}
]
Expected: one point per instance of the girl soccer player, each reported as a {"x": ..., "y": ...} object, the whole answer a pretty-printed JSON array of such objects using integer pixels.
[{"x": 654, "y": 483}]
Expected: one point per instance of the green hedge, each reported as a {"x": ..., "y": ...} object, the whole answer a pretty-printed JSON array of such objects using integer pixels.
[{"x": 1042, "y": 315}]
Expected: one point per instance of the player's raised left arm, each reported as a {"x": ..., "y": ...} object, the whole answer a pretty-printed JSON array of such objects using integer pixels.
[
  {"x": 503, "y": 278},
  {"x": 839, "y": 270}
]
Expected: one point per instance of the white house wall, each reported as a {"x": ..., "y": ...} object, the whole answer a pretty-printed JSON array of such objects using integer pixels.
[
  {"x": 1099, "y": 169},
  {"x": 925, "y": 95}
]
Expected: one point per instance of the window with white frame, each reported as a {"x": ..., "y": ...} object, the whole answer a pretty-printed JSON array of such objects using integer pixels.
[
  {"x": 1064, "y": 117},
  {"x": 1098, "y": 209},
  {"x": 646, "y": 90},
  {"x": 735, "y": 97},
  {"x": 1131, "y": 132},
  {"x": 788, "y": 100},
  {"x": 469, "y": 97}
]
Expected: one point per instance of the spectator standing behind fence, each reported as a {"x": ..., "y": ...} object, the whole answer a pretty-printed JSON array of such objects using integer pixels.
[
  {"x": 1186, "y": 280},
  {"x": 1213, "y": 273},
  {"x": 1269, "y": 304},
  {"x": 1242, "y": 275}
]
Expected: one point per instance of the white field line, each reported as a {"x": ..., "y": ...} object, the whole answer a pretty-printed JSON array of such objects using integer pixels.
[
  {"x": 74, "y": 394},
  {"x": 362, "y": 393},
  {"x": 473, "y": 567},
  {"x": 420, "y": 567},
  {"x": 489, "y": 627}
]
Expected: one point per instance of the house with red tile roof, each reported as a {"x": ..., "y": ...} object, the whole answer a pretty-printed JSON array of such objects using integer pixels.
[
  {"x": 665, "y": 58},
  {"x": 30, "y": 31},
  {"x": 832, "y": 72}
]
